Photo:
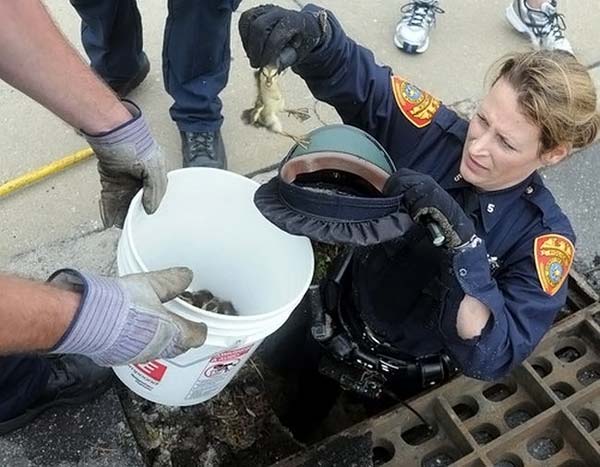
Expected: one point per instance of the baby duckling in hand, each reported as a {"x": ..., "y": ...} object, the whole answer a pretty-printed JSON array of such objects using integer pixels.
[{"x": 270, "y": 103}]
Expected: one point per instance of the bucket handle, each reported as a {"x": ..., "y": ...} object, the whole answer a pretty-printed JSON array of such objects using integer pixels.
[{"x": 237, "y": 341}]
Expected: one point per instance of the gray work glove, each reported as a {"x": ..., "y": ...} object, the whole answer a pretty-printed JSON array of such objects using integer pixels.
[
  {"x": 128, "y": 158},
  {"x": 122, "y": 320}
]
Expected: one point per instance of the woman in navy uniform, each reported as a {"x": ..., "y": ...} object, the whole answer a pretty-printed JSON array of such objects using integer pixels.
[{"x": 488, "y": 297}]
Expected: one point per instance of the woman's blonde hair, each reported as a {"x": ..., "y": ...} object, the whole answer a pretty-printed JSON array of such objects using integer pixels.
[{"x": 556, "y": 93}]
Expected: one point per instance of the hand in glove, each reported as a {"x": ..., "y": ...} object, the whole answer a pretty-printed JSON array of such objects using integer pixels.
[
  {"x": 268, "y": 29},
  {"x": 128, "y": 158},
  {"x": 426, "y": 201},
  {"x": 122, "y": 321}
]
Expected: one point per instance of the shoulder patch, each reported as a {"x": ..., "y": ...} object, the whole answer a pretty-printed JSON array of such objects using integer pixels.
[
  {"x": 553, "y": 258},
  {"x": 417, "y": 106}
]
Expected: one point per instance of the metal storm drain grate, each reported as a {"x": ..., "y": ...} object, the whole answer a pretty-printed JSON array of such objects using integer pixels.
[{"x": 545, "y": 413}]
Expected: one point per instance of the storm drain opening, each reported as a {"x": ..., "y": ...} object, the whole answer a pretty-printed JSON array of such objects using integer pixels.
[
  {"x": 545, "y": 446},
  {"x": 570, "y": 349},
  {"x": 441, "y": 457},
  {"x": 520, "y": 414},
  {"x": 562, "y": 390},
  {"x": 466, "y": 408},
  {"x": 590, "y": 374},
  {"x": 516, "y": 421},
  {"x": 541, "y": 366},
  {"x": 509, "y": 460},
  {"x": 588, "y": 419},
  {"x": 499, "y": 391},
  {"x": 485, "y": 434},
  {"x": 419, "y": 434},
  {"x": 383, "y": 451}
]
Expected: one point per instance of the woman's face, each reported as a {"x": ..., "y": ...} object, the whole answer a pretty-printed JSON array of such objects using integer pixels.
[{"x": 502, "y": 146}]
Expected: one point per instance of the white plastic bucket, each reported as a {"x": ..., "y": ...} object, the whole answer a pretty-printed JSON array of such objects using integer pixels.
[{"x": 207, "y": 221}]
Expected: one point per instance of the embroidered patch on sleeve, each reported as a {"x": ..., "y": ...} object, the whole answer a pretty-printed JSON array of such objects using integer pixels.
[
  {"x": 417, "y": 106},
  {"x": 553, "y": 258}
]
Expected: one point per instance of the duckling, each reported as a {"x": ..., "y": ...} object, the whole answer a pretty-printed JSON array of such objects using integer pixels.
[
  {"x": 207, "y": 301},
  {"x": 270, "y": 103}
]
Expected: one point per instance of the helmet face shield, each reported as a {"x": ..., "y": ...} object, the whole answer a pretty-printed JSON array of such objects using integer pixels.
[
  {"x": 337, "y": 172},
  {"x": 348, "y": 140},
  {"x": 331, "y": 190}
]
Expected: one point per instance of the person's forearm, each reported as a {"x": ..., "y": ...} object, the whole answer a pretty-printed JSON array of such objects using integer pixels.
[
  {"x": 34, "y": 316},
  {"x": 36, "y": 59}
]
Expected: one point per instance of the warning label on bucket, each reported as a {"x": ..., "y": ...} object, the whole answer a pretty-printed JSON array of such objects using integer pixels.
[
  {"x": 149, "y": 374},
  {"x": 218, "y": 371}
]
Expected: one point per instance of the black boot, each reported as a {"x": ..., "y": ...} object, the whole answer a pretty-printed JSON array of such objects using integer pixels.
[
  {"x": 123, "y": 88},
  {"x": 203, "y": 149},
  {"x": 73, "y": 380}
]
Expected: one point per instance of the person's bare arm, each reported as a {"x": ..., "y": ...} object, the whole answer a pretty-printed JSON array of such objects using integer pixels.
[
  {"x": 34, "y": 316},
  {"x": 36, "y": 59},
  {"x": 472, "y": 318}
]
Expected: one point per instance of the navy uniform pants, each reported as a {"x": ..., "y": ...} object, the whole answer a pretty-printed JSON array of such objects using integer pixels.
[
  {"x": 196, "y": 52},
  {"x": 22, "y": 379}
]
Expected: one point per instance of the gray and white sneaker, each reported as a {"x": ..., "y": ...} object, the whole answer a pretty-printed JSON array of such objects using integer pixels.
[
  {"x": 545, "y": 27},
  {"x": 417, "y": 21}
]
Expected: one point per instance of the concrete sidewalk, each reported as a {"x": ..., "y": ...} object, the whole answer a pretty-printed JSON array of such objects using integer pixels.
[{"x": 469, "y": 37}]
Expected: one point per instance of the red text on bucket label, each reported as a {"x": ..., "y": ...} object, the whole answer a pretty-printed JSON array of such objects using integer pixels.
[
  {"x": 225, "y": 361},
  {"x": 230, "y": 355},
  {"x": 154, "y": 369},
  {"x": 218, "y": 371}
]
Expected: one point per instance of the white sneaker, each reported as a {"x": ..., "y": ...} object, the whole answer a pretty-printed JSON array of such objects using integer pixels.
[
  {"x": 412, "y": 31},
  {"x": 545, "y": 27}
]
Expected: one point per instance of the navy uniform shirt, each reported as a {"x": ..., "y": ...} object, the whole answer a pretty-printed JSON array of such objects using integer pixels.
[{"x": 519, "y": 225}]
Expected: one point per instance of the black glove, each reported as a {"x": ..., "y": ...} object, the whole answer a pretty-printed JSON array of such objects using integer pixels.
[
  {"x": 268, "y": 30},
  {"x": 426, "y": 201}
]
